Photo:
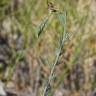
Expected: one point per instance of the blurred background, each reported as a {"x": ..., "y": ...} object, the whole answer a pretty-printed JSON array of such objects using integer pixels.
[{"x": 26, "y": 61}]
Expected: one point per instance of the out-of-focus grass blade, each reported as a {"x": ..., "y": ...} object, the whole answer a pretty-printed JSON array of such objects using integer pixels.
[
  {"x": 42, "y": 26},
  {"x": 77, "y": 52},
  {"x": 4, "y": 3}
]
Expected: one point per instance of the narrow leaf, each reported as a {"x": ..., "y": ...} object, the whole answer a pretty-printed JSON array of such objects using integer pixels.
[
  {"x": 42, "y": 26},
  {"x": 62, "y": 18}
]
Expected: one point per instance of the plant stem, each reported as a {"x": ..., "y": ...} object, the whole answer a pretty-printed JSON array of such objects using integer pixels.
[{"x": 56, "y": 60}]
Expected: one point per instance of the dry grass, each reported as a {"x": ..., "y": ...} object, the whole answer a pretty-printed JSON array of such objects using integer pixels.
[{"x": 26, "y": 61}]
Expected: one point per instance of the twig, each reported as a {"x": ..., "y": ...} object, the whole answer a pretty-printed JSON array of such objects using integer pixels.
[{"x": 48, "y": 86}]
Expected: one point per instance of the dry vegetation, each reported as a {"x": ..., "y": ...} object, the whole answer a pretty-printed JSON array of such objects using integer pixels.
[{"x": 26, "y": 61}]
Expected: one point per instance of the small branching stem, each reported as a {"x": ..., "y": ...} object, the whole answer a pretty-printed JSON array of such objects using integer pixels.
[{"x": 57, "y": 59}]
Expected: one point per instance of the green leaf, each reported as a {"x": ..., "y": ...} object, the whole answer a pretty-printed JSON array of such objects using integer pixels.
[
  {"x": 4, "y": 3},
  {"x": 1, "y": 67},
  {"x": 62, "y": 18},
  {"x": 42, "y": 26}
]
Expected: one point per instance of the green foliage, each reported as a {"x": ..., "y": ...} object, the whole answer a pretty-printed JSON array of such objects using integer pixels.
[
  {"x": 4, "y": 3},
  {"x": 62, "y": 19},
  {"x": 43, "y": 25},
  {"x": 80, "y": 21}
]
